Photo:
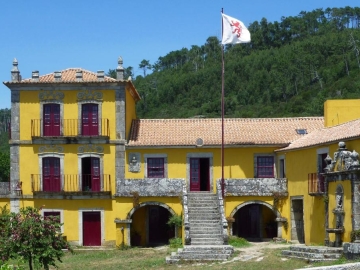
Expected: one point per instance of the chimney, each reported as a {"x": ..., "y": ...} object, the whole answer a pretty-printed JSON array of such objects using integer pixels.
[
  {"x": 100, "y": 75},
  {"x": 79, "y": 75},
  {"x": 15, "y": 73},
  {"x": 35, "y": 76},
  {"x": 57, "y": 76},
  {"x": 120, "y": 69}
]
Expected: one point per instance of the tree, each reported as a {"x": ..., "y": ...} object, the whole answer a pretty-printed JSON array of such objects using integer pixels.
[
  {"x": 144, "y": 65},
  {"x": 4, "y": 166},
  {"x": 29, "y": 236}
]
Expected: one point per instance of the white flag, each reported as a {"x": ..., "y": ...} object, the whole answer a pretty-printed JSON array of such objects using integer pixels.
[{"x": 234, "y": 31}]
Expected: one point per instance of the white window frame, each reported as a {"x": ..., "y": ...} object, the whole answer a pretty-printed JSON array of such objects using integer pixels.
[
  {"x": 55, "y": 210},
  {"x": 102, "y": 222},
  {"x": 164, "y": 156},
  {"x": 264, "y": 155},
  {"x": 281, "y": 157},
  {"x": 56, "y": 155},
  {"x": 61, "y": 103},
  {"x": 80, "y": 103},
  {"x": 96, "y": 155}
]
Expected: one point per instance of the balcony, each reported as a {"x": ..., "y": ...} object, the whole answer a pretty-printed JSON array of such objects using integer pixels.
[
  {"x": 74, "y": 184},
  {"x": 70, "y": 128},
  {"x": 255, "y": 186},
  {"x": 316, "y": 184}
]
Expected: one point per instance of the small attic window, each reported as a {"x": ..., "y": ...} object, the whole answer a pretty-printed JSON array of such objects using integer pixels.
[{"x": 301, "y": 131}]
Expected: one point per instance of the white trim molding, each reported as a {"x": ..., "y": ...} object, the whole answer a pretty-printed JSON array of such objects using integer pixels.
[
  {"x": 55, "y": 210},
  {"x": 164, "y": 156},
  {"x": 102, "y": 222}
]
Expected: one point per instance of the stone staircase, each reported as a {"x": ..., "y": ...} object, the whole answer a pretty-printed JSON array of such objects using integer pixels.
[
  {"x": 313, "y": 254},
  {"x": 207, "y": 240}
]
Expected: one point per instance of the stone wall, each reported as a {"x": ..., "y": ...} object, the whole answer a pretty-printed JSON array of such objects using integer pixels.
[
  {"x": 150, "y": 187},
  {"x": 4, "y": 188},
  {"x": 255, "y": 186}
]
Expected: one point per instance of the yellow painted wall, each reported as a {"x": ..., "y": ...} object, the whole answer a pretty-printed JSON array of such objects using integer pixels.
[
  {"x": 124, "y": 205},
  {"x": 340, "y": 111},
  {"x": 298, "y": 164},
  {"x": 239, "y": 162},
  {"x": 130, "y": 112},
  {"x": 30, "y": 109},
  {"x": 30, "y": 163}
]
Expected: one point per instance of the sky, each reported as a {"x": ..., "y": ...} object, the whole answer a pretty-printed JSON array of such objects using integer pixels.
[{"x": 51, "y": 36}]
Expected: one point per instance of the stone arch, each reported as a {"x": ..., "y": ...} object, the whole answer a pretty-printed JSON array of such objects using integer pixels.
[
  {"x": 279, "y": 219},
  {"x": 130, "y": 216},
  {"x": 132, "y": 211},
  {"x": 276, "y": 212}
]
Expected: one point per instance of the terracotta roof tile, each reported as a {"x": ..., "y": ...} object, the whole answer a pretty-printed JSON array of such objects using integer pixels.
[
  {"x": 69, "y": 75},
  {"x": 337, "y": 133},
  {"x": 238, "y": 131}
]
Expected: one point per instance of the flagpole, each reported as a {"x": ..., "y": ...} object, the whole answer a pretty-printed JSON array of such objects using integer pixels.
[{"x": 222, "y": 112}]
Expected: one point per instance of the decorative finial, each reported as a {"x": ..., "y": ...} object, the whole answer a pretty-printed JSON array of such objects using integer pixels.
[
  {"x": 120, "y": 69},
  {"x": 15, "y": 73}
]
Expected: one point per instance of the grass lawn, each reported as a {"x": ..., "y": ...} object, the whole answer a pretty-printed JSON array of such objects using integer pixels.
[{"x": 150, "y": 258}]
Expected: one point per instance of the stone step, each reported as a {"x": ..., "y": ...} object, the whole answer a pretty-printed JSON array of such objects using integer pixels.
[
  {"x": 204, "y": 217},
  {"x": 317, "y": 249},
  {"x": 213, "y": 248},
  {"x": 205, "y": 235},
  {"x": 206, "y": 241},
  {"x": 309, "y": 255},
  {"x": 310, "y": 260},
  {"x": 199, "y": 229},
  {"x": 201, "y": 253},
  {"x": 204, "y": 208}
]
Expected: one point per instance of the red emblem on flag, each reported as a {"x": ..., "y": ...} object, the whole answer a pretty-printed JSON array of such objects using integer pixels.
[{"x": 237, "y": 28}]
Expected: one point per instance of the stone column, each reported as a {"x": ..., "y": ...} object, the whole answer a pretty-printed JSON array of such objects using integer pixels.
[{"x": 14, "y": 150}]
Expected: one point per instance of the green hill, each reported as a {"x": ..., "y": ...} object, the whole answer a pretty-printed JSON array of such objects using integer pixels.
[{"x": 289, "y": 69}]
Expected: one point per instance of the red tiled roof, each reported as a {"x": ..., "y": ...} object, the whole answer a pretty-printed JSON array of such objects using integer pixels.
[
  {"x": 69, "y": 75},
  {"x": 238, "y": 131},
  {"x": 337, "y": 133}
]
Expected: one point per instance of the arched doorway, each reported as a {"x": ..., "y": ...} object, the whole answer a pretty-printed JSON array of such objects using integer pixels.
[
  {"x": 149, "y": 224},
  {"x": 255, "y": 221}
]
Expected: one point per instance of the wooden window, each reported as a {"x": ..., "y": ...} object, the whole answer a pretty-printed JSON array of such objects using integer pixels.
[
  {"x": 51, "y": 120},
  {"x": 52, "y": 214},
  {"x": 51, "y": 174},
  {"x": 90, "y": 120},
  {"x": 155, "y": 167},
  {"x": 265, "y": 166}
]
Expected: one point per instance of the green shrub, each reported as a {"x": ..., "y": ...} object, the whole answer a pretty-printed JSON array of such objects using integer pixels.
[
  {"x": 175, "y": 242},
  {"x": 238, "y": 241},
  {"x": 175, "y": 220}
]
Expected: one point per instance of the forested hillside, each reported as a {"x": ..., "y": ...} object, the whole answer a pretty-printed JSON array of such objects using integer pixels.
[
  {"x": 4, "y": 145},
  {"x": 289, "y": 69}
]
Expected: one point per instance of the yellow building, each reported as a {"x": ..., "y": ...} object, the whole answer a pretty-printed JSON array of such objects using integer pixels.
[{"x": 78, "y": 151}]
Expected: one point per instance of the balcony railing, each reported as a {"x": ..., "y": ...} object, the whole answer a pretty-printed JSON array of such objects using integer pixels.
[
  {"x": 70, "y": 128},
  {"x": 316, "y": 184},
  {"x": 70, "y": 183}
]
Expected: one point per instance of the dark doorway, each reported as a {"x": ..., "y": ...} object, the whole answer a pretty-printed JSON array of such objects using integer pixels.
[
  {"x": 199, "y": 174},
  {"x": 90, "y": 174},
  {"x": 297, "y": 220},
  {"x": 255, "y": 222},
  {"x": 91, "y": 229},
  {"x": 159, "y": 231},
  {"x": 89, "y": 120}
]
